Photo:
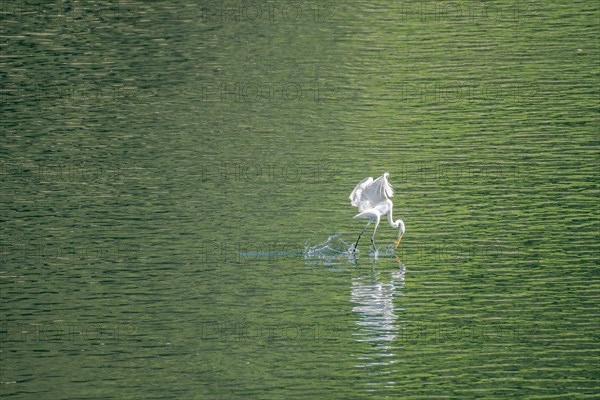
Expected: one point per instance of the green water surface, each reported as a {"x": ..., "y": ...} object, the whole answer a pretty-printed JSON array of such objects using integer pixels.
[{"x": 165, "y": 163}]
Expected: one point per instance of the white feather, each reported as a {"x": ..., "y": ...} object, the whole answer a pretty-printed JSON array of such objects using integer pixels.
[{"x": 368, "y": 192}]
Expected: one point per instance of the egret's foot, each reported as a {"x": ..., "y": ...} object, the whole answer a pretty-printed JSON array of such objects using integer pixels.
[
  {"x": 373, "y": 248},
  {"x": 374, "y": 254}
]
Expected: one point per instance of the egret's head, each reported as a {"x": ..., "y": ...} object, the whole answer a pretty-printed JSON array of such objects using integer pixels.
[{"x": 400, "y": 224}]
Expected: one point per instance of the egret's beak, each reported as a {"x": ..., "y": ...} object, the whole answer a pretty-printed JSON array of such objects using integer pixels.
[{"x": 398, "y": 241}]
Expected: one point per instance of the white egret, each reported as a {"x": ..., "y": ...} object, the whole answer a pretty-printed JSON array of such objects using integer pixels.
[{"x": 372, "y": 197}]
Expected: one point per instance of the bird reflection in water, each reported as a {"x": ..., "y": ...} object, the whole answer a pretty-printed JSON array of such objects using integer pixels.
[{"x": 373, "y": 296}]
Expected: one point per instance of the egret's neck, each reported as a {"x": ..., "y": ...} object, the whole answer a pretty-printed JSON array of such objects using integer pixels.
[{"x": 394, "y": 224}]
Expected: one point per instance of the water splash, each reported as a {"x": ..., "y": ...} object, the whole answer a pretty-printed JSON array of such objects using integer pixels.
[{"x": 333, "y": 249}]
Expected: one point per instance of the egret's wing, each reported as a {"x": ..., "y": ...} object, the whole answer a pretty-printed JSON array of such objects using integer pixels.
[
  {"x": 378, "y": 191},
  {"x": 356, "y": 195}
]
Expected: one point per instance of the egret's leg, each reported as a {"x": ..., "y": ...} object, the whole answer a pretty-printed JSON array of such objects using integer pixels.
[
  {"x": 377, "y": 218},
  {"x": 361, "y": 232}
]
